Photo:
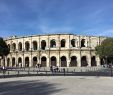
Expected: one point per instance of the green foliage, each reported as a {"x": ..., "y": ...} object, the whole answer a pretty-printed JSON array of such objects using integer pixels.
[
  {"x": 4, "y": 50},
  {"x": 105, "y": 49}
]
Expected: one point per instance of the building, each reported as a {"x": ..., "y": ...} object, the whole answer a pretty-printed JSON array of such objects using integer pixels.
[{"x": 63, "y": 50}]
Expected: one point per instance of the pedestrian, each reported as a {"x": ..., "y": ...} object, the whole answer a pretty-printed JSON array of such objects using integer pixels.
[
  {"x": 57, "y": 68},
  {"x": 51, "y": 69},
  {"x": 64, "y": 71}
]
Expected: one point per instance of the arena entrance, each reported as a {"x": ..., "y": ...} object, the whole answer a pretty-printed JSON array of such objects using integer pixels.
[
  {"x": 34, "y": 61},
  {"x": 84, "y": 61},
  {"x": 43, "y": 62},
  {"x": 63, "y": 61},
  {"x": 20, "y": 62},
  {"x": 73, "y": 62},
  {"x": 8, "y": 62},
  {"x": 13, "y": 62},
  {"x": 27, "y": 62},
  {"x": 93, "y": 61},
  {"x": 53, "y": 61}
]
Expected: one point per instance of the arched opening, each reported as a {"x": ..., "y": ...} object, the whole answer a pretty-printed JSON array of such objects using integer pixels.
[
  {"x": 9, "y": 47},
  {"x": 63, "y": 61},
  {"x": 27, "y": 62},
  {"x": 13, "y": 46},
  {"x": 8, "y": 62},
  {"x": 34, "y": 61},
  {"x": 13, "y": 62},
  {"x": 20, "y": 46},
  {"x": 83, "y": 43},
  {"x": 20, "y": 62},
  {"x": 102, "y": 61},
  {"x": 34, "y": 45},
  {"x": 27, "y": 46},
  {"x": 73, "y": 42},
  {"x": 73, "y": 62},
  {"x": 84, "y": 61},
  {"x": 43, "y": 44},
  {"x": 43, "y": 61},
  {"x": 63, "y": 43},
  {"x": 52, "y": 44},
  {"x": 53, "y": 61},
  {"x": 93, "y": 61}
]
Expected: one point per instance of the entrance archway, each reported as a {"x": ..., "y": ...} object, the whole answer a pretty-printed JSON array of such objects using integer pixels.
[
  {"x": 93, "y": 61},
  {"x": 8, "y": 62},
  {"x": 53, "y": 61},
  {"x": 84, "y": 61},
  {"x": 13, "y": 62},
  {"x": 27, "y": 62},
  {"x": 34, "y": 61},
  {"x": 43, "y": 61},
  {"x": 73, "y": 62},
  {"x": 63, "y": 61},
  {"x": 20, "y": 62}
]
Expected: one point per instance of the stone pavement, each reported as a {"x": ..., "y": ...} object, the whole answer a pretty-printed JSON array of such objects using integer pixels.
[{"x": 57, "y": 85}]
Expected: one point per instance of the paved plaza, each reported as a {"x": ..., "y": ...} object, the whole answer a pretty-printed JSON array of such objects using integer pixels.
[{"x": 57, "y": 85}]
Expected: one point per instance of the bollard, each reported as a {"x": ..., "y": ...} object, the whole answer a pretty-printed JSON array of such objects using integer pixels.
[
  {"x": 8, "y": 73},
  {"x": 28, "y": 72},
  {"x": 18, "y": 73},
  {"x": 46, "y": 73},
  {"x": 111, "y": 71}
]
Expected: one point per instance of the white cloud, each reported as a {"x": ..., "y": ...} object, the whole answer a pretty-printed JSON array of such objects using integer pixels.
[{"x": 108, "y": 32}]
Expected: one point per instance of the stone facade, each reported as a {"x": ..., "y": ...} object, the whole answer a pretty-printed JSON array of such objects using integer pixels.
[{"x": 63, "y": 50}]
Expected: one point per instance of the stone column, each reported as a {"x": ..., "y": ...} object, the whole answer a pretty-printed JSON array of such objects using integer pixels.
[
  {"x": 98, "y": 61},
  {"x": 89, "y": 60},
  {"x": 58, "y": 62},
  {"x": 79, "y": 61},
  {"x": 48, "y": 61}
]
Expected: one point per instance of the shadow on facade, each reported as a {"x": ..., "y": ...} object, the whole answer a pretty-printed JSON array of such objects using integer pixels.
[{"x": 28, "y": 88}]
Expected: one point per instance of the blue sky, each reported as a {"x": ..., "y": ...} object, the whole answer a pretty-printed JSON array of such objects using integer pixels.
[{"x": 30, "y": 17}]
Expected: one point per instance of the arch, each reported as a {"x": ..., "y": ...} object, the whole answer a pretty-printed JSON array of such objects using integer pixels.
[
  {"x": 9, "y": 46},
  {"x": 27, "y": 62},
  {"x": 43, "y": 44},
  {"x": 8, "y": 62},
  {"x": 13, "y": 62},
  {"x": 73, "y": 42},
  {"x": 13, "y": 46},
  {"x": 93, "y": 61},
  {"x": 43, "y": 61},
  {"x": 27, "y": 46},
  {"x": 20, "y": 62},
  {"x": 83, "y": 43},
  {"x": 73, "y": 62},
  {"x": 34, "y": 45},
  {"x": 63, "y": 42},
  {"x": 20, "y": 46},
  {"x": 84, "y": 61},
  {"x": 53, "y": 43},
  {"x": 53, "y": 61},
  {"x": 63, "y": 61},
  {"x": 34, "y": 61}
]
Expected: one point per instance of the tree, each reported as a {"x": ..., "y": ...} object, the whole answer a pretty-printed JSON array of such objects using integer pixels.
[
  {"x": 105, "y": 50},
  {"x": 4, "y": 50}
]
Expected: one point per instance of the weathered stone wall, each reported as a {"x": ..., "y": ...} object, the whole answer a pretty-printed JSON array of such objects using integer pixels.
[{"x": 90, "y": 42}]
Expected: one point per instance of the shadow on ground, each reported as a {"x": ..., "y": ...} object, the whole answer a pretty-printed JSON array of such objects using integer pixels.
[{"x": 28, "y": 88}]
